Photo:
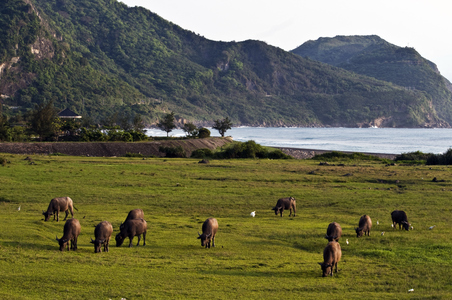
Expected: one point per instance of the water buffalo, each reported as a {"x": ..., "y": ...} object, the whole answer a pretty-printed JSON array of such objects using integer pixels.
[
  {"x": 71, "y": 232},
  {"x": 399, "y": 217},
  {"x": 132, "y": 228},
  {"x": 334, "y": 232},
  {"x": 331, "y": 256},
  {"x": 133, "y": 214},
  {"x": 102, "y": 235},
  {"x": 285, "y": 203},
  {"x": 209, "y": 230},
  {"x": 364, "y": 225},
  {"x": 59, "y": 204}
]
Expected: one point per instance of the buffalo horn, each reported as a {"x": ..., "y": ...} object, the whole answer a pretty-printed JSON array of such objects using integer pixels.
[
  {"x": 199, "y": 233},
  {"x": 92, "y": 241},
  {"x": 57, "y": 238},
  {"x": 326, "y": 236}
]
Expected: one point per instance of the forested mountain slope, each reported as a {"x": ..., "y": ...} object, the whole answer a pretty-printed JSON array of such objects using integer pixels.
[
  {"x": 100, "y": 57},
  {"x": 375, "y": 57}
]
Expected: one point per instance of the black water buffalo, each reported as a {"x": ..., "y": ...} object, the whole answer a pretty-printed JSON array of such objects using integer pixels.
[
  {"x": 209, "y": 230},
  {"x": 102, "y": 235},
  {"x": 331, "y": 256},
  {"x": 364, "y": 226},
  {"x": 71, "y": 232},
  {"x": 59, "y": 204},
  {"x": 285, "y": 203},
  {"x": 334, "y": 232},
  {"x": 133, "y": 214},
  {"x": 132, "y": 228},
  {"x": 399, "y": 217}
]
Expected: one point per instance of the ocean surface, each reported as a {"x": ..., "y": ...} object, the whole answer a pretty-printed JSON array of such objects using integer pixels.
[{"x": 368, "y": 140}]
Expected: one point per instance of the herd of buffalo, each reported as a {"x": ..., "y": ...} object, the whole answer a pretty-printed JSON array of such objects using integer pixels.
[{"x": 135, "y": 225}]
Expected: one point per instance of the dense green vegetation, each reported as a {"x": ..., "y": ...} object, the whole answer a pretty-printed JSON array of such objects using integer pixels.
[
  {"x": 101, "y": 57},
  {"x": 373, "y": 56},
  {"x": 265, "y": 257}
]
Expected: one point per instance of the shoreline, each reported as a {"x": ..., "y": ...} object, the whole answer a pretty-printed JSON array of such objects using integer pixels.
[{"x": 300, "y": 153}]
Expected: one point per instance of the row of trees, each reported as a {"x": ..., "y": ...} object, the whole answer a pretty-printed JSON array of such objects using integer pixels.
[
  {"x": 167, "y": 124},
  {"x": 43, "y": 124}
]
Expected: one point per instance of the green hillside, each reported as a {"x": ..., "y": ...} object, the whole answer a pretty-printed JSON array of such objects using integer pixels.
[
  {"x": 100, "y": 57},
  {"x": 373, "y": 56}
]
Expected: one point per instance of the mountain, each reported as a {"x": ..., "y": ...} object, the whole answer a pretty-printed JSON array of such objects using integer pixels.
[
  {"x": 101, "y": 59},
  {"x": 375, "y": 57}
]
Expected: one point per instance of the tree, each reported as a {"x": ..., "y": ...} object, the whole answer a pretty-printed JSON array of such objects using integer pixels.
[
  {"x": 44, "y": 120},
  {"x": 167, "y": 124},
  {"x": 222, "y": 126},
  {"x": 190, "y": 129}
]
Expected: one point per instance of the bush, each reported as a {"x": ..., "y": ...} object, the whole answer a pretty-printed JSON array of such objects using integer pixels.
[
  {"x": 173, "y": 151},
  {"x": 413, "y": 156},
  {"x": 137, "y": 135},
  {"x": 202, "y": 153},
  {"x": 92, "y": 135},
  {"x": 119, "y": 136},
  {"x": 336, "y": 155},
  {"x": 440, "y": 159},
  {"x": 203, "y": 133},
  {"x": 250, "y": 149},
  {"x": 128, "y": 154}
]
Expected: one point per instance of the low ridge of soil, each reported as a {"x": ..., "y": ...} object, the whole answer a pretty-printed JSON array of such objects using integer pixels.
[{"x": 112, "y": 148}]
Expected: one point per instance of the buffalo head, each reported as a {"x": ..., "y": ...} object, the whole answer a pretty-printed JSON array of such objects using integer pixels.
[
  {"x": 46, "y": 215},
  {"x": 204, "y": 238},
  {"x": 327, "y": 269},
  {"x": 62, "y": 243},
  {"x": 406, "y": 225},
  {"x": 119, "y": 240},
  {"x": 276, "y": 209},
  {"x": 359, "y": 232},
  {"x": 97, "y": 245}
]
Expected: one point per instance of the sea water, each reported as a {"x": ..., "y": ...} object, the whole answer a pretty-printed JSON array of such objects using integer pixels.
[{"x": 368, "y": 140}]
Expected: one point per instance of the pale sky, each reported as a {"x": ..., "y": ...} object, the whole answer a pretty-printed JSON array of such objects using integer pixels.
[{"x": 425, "y": 25}]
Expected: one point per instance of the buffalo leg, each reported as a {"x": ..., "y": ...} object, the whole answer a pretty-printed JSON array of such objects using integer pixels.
[
  {"x": 144, "y": 238},
  {"x": 139, "y": 239},
  {"x": 131, "y": 239},
  {"x": 67, "y": 213},
  {"x": 281, "y": 211},
  {"x": 213, "y": 241}
]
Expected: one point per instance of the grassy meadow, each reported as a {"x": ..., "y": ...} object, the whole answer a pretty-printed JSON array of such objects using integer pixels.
[{"x": 265, "y": 257}]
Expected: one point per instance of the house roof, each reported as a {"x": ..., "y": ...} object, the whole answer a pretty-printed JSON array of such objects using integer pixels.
[{"x": 69, "y": 114}]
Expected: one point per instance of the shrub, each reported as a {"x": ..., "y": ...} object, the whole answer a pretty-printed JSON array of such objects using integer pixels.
[
  {"x": 250, "y": 149},
  {"x": 440, "y": 159},
  {"x": 336, "y": 155},
  {"x": 202, "y": 153},
  {"x": 92, "y": 135},
  {"x": 128, "y": 154},
  {"x": 119, "y": 136},
  {"x": 203, "y": 133},
  {"x": 173, "y": 151},
  {"x": 416, "y": 156},
  {"x": 137, "y": 135}
]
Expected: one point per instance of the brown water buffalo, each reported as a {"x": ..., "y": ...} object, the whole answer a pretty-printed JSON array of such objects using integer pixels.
[
  {"x": 71, "y": 232},
  {"x": 331, "y": 256},
  {"x": 334, "y": 232},
  {"x": 132, "y": 228},
  {"x": 133, "y": 214},
  {"x": 399, "y": 217},
  {"x": 102, "y": 235},
  {"x": 209, "y": 230},
  {"x": 59, "y": 204},
  {"x": 285, "y": 203},
  {"x": 364, "y": 226}
]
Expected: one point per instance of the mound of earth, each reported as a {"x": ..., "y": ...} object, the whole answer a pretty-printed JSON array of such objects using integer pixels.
[{"x": 113, "y": 148}]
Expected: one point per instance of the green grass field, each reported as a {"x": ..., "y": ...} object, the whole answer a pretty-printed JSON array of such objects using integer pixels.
[{"x": 255, "y": 258}]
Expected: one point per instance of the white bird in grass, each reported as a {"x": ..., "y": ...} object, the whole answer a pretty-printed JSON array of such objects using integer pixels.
[
  {"x": 382, "y": 233},
  {"x": 412, "y": 228},
  {"x": 431, "y": 227},
  {"x": 18, "y": 209},
  {"x": 253, "y": 213},
  {"x": 392, "y": 225},
  {"x": 378, "y": 223},
  {"x": 346, "y": 241},
  {"x": 411, "y": 290}
]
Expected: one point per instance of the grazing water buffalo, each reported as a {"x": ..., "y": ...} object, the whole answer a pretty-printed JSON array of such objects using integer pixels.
[
  {"x": 399, "y": 217},
  {"x": 132, "y": 228},
  {"x": 364, "y": 225},
  {"x": 71, "y": 232},
  {"x": 334, "y": 232},
  {"x": 331, "y": 256},
  {"x": 133, "y": 214},
  {"x": 285, "y": 203},
  {"x": 59, "y": 204},
  {"x": 209, "y": 230},
  {"x": 102, "y": 235}
]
